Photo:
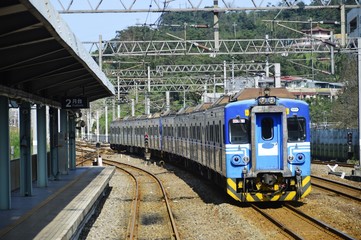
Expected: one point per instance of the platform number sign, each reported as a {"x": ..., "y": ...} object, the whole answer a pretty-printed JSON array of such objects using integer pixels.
[{"x": 74, "y": 102}]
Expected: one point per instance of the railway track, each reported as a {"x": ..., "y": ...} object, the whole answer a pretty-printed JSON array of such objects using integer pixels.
[
  {"x": 294, "y": 225},
  {"x": 298, "y": 225},
  {"x": 340, "y": 164},
  {"x": 151, "y": 215},
  {"x": 337, "y": 187}
]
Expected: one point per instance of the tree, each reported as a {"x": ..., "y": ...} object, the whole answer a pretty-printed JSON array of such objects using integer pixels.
[{"x": 345, "y": 108}]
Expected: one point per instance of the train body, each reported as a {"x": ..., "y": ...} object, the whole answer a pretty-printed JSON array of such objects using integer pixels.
[{"x": 257, "y": 148}]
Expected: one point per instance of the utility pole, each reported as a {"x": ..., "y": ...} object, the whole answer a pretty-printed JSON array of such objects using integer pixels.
[
  {"x": 216, "y": 26},
  {"x": 167, "y": 100},
  {"x": 311, "y": 39},
  {"x": 332, "y": 58},
  {"x": 184, "y": 98},
  {"x": 267, "y": 60},
  {"x": 113, "y": 109},
  {"x": 225, "y": 77},
  {"x": 359, "y": 98},
  {"x": 343, "y": 25},
  {"x": 147, "y": 99},
  {"x": 234, "y": 29},
  {"x": 133, "y": 107},
  {"x": 100, "y": 52},
  {"x": 106, "y": 121},
  {"x": 118, "y": 93}
]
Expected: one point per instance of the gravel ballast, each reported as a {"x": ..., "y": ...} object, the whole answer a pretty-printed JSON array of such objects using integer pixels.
[{"x": 203, "y": 211}]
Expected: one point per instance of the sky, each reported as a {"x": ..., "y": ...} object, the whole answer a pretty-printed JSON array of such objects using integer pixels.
[{"x": 88, "y": 26}]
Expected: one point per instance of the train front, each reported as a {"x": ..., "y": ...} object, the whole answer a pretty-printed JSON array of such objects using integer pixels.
[{"x": 267, "y": 144}]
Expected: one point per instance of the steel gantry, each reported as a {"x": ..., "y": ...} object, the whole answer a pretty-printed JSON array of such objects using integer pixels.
[
  {"x": 226, "y": 47},
  {"x": 156, "y": 80},
  {"x": 134, "y": 6},
  {"x": 161, "y": 79}
]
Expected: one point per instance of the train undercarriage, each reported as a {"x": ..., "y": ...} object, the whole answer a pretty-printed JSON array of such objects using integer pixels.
[{"x": 268, "y": 187}]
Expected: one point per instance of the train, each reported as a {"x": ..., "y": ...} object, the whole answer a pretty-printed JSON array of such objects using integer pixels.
[{"x": 255, "y": 144}]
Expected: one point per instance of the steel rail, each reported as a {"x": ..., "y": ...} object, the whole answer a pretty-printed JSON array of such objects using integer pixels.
[
  {"x": 319, "y": 223},
  {"x": 352, "y": 188},
  {"x": 170, "y": 214},
  {"x": 340, "y": 164},
  {"x": 277, "y": 223},
  {"x": 132, "y": 224},
  {"x": 322, "y": 226}
]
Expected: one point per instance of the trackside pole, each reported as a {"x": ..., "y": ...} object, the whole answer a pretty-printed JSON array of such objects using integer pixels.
[
  {"x": 146, "y": 143},
  {"x": 357, "y": 171}
]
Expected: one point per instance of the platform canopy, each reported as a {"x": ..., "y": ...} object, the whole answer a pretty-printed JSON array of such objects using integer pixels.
[{"x": 41, "y": 61}]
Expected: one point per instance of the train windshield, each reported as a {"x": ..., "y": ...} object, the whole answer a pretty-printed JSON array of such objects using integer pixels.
[
  {"x": 238, "y": 131},
  {"x": 296, "y": 129}
]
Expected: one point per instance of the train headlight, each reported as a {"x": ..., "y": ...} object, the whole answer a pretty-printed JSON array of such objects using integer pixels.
[
  {"x": 245, "y": 159},
  {"x": 262, "y": 101},
  {"x": 266, "y": 100},
  {"x": 272, "y": 100},
  {"x": 300, "y": 157},
  {"x": 236, "y": 160}
]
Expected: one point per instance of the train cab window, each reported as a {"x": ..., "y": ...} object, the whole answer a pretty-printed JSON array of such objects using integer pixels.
[
  {"x": 239, "y": 131},
  {"x": 296, "y": 129},
  {"x": 267, "y": 128}
]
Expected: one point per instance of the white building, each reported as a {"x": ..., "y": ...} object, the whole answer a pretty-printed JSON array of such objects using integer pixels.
[{"x": 354, "y": 22}]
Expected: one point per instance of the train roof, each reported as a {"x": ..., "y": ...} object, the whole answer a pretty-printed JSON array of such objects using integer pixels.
[
  {"x": 168, "y": 113},
  {"x": 202, "y": 106},
  {"x": 252, "y": 93},
  {"x": 222, "y": 100},
  {"x": 155, "y": 115}
]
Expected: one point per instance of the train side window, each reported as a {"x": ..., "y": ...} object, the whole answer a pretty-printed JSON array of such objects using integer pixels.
[
  {"x": 239, "y": 131},
  {"x": 217, "y": 133},
  {"x": 206, "y": 133},
  {"x": 198, "y": 133},
  {"x": 267, "y": 128},
  {"x": 296, "y": 127}
]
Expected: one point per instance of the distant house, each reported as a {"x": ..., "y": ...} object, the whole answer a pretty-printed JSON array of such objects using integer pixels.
[
  {"x": 301, "y": 88},
  {"x": 318, "y": 32},
  {"x": 314, "y": 36},
  {"x": 306, "y": 88}
]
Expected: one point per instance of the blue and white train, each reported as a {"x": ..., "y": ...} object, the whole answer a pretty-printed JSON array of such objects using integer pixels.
[{"x": 255, "y": 144}]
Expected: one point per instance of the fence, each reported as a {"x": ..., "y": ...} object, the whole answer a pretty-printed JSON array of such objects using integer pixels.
[{"x": 334, "y": 144}]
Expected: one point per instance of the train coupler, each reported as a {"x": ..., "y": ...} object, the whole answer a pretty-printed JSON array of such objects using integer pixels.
[
  {"x": 299, "y": 182},
  {"x": 244, "y": 172}
]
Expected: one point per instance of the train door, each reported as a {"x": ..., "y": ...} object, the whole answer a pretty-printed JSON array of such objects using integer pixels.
[{"x": 268, "y": 136}]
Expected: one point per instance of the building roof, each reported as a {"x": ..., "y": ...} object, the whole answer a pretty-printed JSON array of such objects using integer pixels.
[
  {"x": 317, "y": 29},
  {"x": 41, "y": 59}
]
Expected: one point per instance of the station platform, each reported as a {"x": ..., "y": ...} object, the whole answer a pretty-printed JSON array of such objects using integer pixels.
[{"x": 56, "y": 211}]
